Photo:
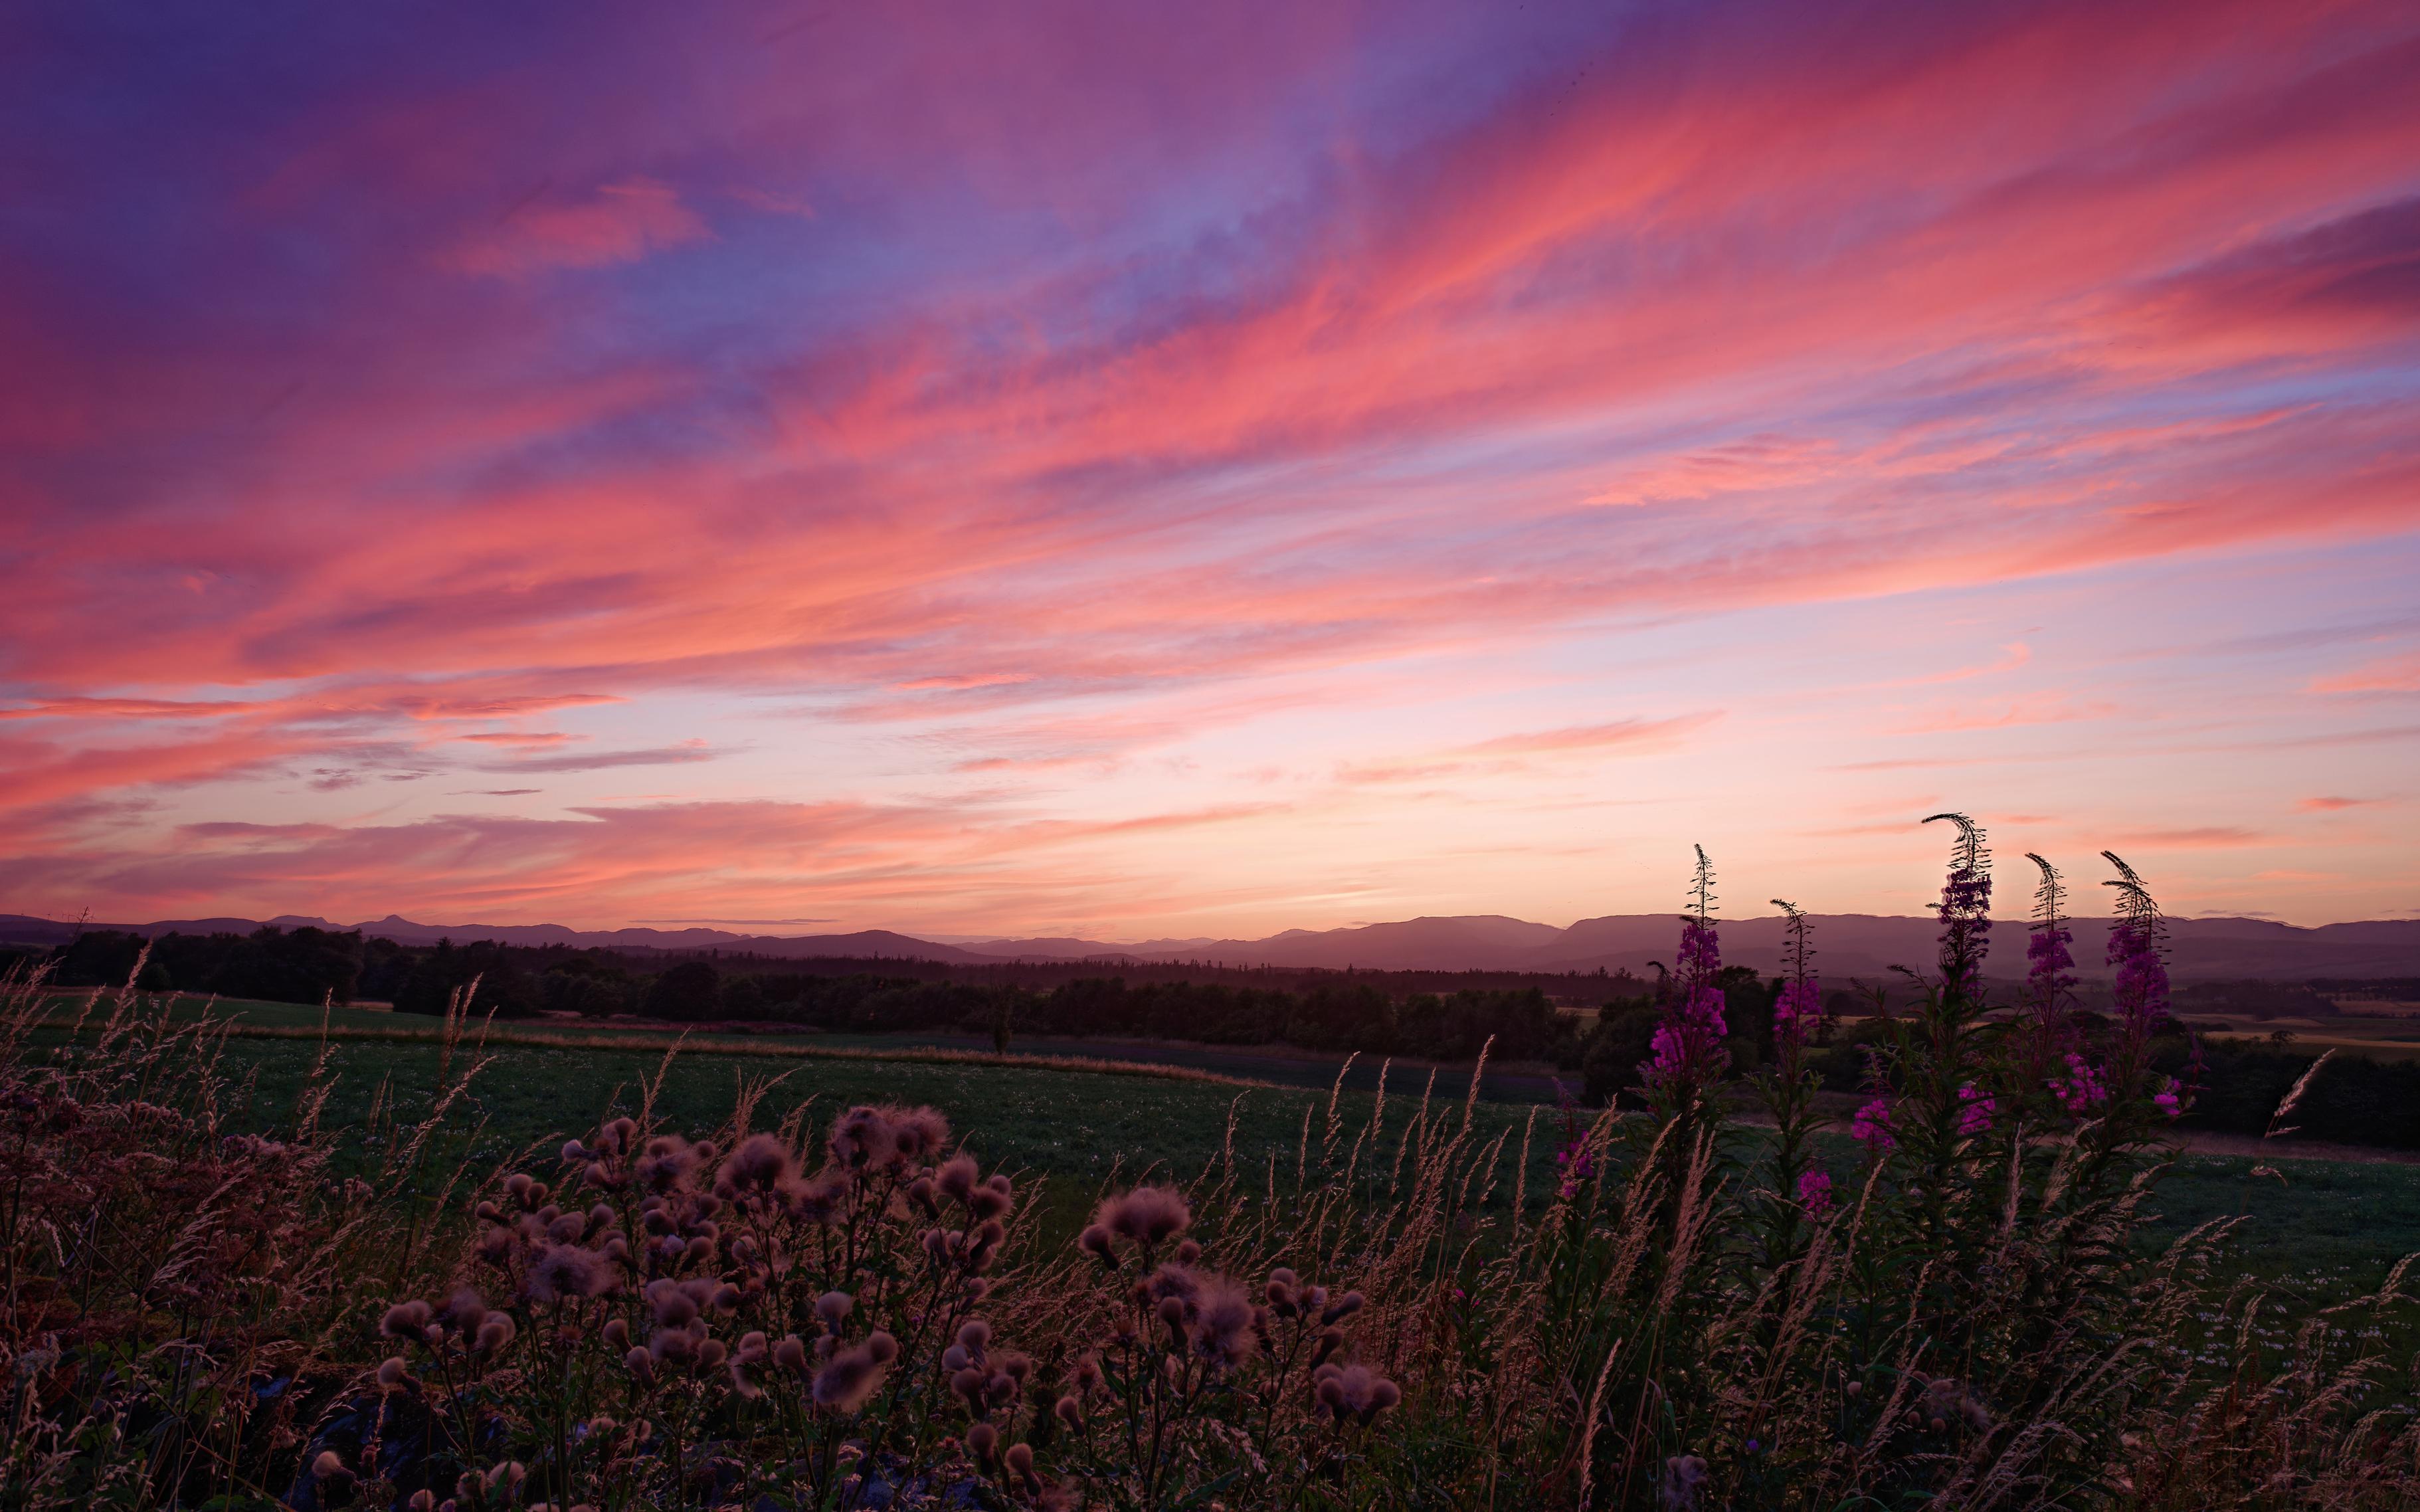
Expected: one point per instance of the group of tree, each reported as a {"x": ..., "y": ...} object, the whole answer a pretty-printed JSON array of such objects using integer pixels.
[
  {"x": 305, "y": 965},
  {"x": 2353, "y": 1099},
  {"x": 1339, "y": 1015}
]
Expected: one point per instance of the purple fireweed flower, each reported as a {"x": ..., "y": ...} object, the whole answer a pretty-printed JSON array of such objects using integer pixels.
[
  {"x": 2138, "y": 951},
  {"x": 1795, "y": 1011},
  {"x": 1577, "y": 1166},
  {"x": 1815, "y": 1193},
  {"x": 1975, "y": 1111},
  {"x": 1871, "y": 1126},
  {"x": 1799, "y": 1007},
  {"x": 1686, "y": 1051},
  {"x": 1687, "y": 1047},
  {"x": 2047, "y": 975},
  {"x": 2050, "y": 976},
  {"x": 1966, "y": 909},
  {"x": 2141, "y": 979},
  {"x": 2082, "y": 1089}
]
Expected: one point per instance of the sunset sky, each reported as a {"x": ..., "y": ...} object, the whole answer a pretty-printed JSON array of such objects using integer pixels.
[{"x": 1136, "y": 470}]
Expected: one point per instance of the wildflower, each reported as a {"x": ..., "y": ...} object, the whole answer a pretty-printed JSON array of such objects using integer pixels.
[
  {"x": 1796, "y": 1010},
  {"x": 919, "y": 1133},
  {"x": 1146, "y": 1216},
  {"x": 1815, "y": 1193},
  {"x": 2139, "y": 953},
  {"x": 1019, "y": 1461},
  {"x": 993, "y": 1199},
  {"x": 565, "y": 1271},
  {"x": 1353, "y": 1391},
  {"x": 1800, "y": 1007},
  {"x": 495, "y": 1332},
  {"x": 1578, "y": 1163},
  {"x": 465, "y": 1310},
  {"x": 975, "y": 1335},
  {"x": 1684, "y": 1482},
  {"x": 818, "y": 1200},
  {"x": 1221, "y": 1324},
  {"x": 1966, "y": 909},
  {"x": 1975, "y": 1111},
  {"x": 2082, "y": 1089},
  {"x": 1686, "y": 1050},
  {"x": 671, "y": 1162},
  {"x": 761, "y": 1163},
  {"x": 1283, "y": 1292},
  {"x": 336, "y": 1483},
  {"x": 790, "y": 1353},
  {"x": 406, "y": 1320},
  {"x": 849, "y": 1379},
  {"x": 2049, "y": 965},
  {"x": 865, "y": 1137},
  {"x": 1870, "y": 1126}
]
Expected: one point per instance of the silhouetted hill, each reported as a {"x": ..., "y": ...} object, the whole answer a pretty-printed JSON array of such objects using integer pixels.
[{"x": 1847, "y": 944}]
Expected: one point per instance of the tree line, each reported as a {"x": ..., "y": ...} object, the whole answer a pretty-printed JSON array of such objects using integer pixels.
[{"x": 2353, "y": 1099}]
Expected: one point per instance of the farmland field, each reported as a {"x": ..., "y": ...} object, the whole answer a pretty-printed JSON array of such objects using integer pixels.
[{"x": 2319, "y": 1227}]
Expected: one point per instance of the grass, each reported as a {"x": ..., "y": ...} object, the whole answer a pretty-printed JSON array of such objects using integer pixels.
[
  {"x": 2325, "y": 1229},
  {"x": 1536, "y": 1316},
  {"x": 2326, "y": 1226}
]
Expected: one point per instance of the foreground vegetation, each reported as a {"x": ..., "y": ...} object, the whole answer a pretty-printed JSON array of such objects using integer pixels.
[{"x": 239, "y": 1270}]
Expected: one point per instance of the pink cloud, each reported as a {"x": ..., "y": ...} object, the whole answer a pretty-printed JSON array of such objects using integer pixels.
[
  {"x": 2394, "y": 674},
  {"x": 617, "y": 223},
  {"x": 2209, "y": 836},
  {"x": 1074, "y": 386},
  {"x": 2042, "y": 709}
]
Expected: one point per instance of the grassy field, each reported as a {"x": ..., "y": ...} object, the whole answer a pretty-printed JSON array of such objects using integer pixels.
[{"x": 2325, "y": 1229}]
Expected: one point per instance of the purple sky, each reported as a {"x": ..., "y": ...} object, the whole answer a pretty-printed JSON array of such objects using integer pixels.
[{"x": 1134, "y": 469}]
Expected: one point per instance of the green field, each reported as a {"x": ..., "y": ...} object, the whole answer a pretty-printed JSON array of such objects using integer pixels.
[{"x": 2327, "y": 1228}]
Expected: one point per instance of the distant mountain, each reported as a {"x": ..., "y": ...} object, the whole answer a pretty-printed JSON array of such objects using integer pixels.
[
  {"x": 17, "y": 929},
  {"x": 1847, "y": 944}
]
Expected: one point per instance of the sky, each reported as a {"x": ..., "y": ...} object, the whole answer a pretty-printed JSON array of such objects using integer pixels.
[{"x": 1148, "y": 471}]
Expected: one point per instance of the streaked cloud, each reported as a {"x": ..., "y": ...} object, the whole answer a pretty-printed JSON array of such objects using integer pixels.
[{"x": 1274, "y": 452}]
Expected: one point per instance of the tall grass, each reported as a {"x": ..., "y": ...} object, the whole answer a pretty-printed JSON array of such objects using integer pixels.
[{"x": 767, "y": 1314}]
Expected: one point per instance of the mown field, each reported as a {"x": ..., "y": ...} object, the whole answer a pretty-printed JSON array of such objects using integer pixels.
[{"x": 2321, "y": 1227}]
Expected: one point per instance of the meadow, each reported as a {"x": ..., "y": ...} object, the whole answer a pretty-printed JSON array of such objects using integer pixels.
[
  {"x": 2322, "y": 1227},
  {"x": 268, "y": 1256}
]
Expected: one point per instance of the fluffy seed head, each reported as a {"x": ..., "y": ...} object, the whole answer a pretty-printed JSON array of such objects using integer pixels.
[
  {"x": 761, "y": 1162},
  {"x": 406, "y": 1319},
  {"x": 1148, "y": 1216}
]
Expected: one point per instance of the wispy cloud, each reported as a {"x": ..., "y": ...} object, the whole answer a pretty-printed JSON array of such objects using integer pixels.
[
  {"x": 615, "y": 223},
  {"x": 665, "y": 756},
  {"x": 1050, "y": 411}
]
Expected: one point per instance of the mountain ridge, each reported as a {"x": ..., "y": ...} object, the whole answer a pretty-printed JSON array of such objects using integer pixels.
[{"x": 1847, "y": 946}]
